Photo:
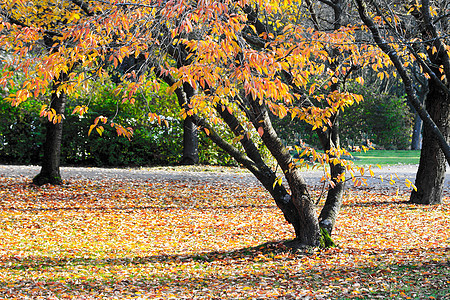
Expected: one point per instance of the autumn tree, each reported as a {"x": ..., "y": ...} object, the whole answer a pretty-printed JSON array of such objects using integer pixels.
[
  {"x": 229, "y": 63},
  {"x": 416, "y": 32},
  {"x": 30, "y": 30},
  {"x": 242, "y": 77}
]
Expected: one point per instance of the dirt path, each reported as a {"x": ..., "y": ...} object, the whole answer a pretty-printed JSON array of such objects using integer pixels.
[{"x": 201, "y": 173}]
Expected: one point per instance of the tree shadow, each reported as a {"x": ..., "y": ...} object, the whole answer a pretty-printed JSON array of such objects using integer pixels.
[
  {"x": 137, "y": 208},
  {"x": 384, "y": 279},
  {"x": 42, "y": 262},
  {"x": 375, "y": 203}
]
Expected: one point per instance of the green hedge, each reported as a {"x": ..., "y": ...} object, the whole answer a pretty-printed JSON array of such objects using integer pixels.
[{"x": 22, "y": 133}]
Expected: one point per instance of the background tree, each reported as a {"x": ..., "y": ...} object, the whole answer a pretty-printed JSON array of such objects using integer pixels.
[{"x": 416, "y": 31}]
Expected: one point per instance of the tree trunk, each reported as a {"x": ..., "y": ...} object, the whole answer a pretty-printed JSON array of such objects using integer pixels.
[
  {"x": 328, "y": 215},
  {"x": 306, "y": 228},
  {"x": 297, "y": 207},
  {"x": 417, "y": 133},
  {"x": 50, "y": 172},
  {"x": 190, "y": 142},
  {"x": 190, "y": 132},
  {"x": 431, "y": 174}
]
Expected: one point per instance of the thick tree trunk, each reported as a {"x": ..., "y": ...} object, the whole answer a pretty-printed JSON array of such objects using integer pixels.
[
  {"x": 50, "y": 172},
  {"x": 297, "y": 207},
  {"x": 190, "y": 142},
  {"x": 431, "y": 174},
  {"x": 307, "y": 228},
  {"x": 417, "y": 133}
]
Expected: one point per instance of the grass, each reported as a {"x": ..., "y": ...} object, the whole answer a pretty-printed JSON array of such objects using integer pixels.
[
  {"x": 113, "y": 239},
  {"x": 387, "y": 157}
]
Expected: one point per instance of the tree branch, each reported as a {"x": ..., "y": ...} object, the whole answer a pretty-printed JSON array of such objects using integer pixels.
[{"x": 84, "y": 6}]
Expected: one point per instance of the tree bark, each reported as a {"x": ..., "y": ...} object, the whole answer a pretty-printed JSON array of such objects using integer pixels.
[
  {"x": 190, "y": 132},
  {"x": 431, "y": 173},
  {"x": 190, "y": 142},
  {"x": 307, "y": 228},
  {"x": 417, "y": 133},
  {"x": 328, "y": 215},
  {"x": 50, "y": 172}
]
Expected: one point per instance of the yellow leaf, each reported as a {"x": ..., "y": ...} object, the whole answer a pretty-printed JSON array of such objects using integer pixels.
[
  {"x": 100, "y": 130},
  {"x": 90, "y": 129}
]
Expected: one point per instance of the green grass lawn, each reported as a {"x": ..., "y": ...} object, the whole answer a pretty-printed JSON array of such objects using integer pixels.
[{"x": 387, "y": 157}]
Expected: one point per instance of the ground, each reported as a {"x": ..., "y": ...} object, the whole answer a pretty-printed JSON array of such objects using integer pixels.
[{"x": 214, "y": 234}]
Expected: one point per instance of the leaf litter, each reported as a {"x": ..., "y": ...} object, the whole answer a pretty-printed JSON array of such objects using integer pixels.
[{"x": 143, "y": 239}]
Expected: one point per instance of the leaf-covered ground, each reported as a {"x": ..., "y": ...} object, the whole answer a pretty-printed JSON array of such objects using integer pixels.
[{"x": 177, "y": 239}]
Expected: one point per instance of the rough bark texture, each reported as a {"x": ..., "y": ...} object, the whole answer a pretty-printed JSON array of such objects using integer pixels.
[
  {"x": 432, "y": 166},
  {"x": 431, "y": 173},
  {"x": 50, "y": 172},
  {"x": 307, "y": 228}
]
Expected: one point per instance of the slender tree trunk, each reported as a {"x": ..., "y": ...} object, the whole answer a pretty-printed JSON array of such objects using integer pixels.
[
  {"x": 190, "y": 132},
  {"x": 431, "y": 173},
  {"x": 50, "y": 172},
  {"x": 307, "y": 228},
  {"x": 328, "y": 215},
  {"x": 417, "y": 133},
  {"x": 190, "y": 142}
]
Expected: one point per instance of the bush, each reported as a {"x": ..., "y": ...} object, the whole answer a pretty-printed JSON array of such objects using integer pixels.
[{"x": 22, "y": 133}]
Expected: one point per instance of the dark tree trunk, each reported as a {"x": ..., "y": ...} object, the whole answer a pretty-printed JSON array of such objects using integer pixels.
[
  {"x": 190, "y": 142},
  {"x": 417, "y": 133},
  {"x": 50, "y": 172},
  {"x": 306, "y": 226},
  {"x": 431, "y": 174},
  {"x": 190, "y": 131},
  {"x": 328, "y": 215}
]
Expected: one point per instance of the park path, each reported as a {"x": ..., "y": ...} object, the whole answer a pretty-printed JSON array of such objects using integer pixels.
[{"x": 212, "y": 175}]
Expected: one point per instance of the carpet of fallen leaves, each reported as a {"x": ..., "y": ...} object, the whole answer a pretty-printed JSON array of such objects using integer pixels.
[{"x": 178, "y": 239}]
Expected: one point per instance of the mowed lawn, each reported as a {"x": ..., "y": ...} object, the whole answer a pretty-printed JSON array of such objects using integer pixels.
[
  {"x": 387, "y": 157},
  {"x": 115, "y": 239}
]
